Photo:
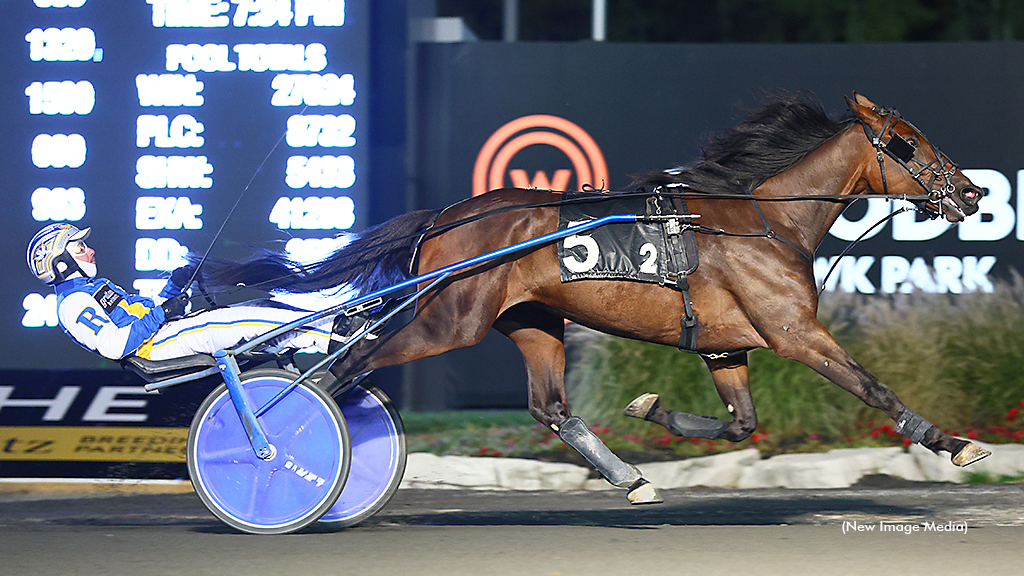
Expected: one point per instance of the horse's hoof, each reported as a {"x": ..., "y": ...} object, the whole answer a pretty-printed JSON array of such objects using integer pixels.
[
  {"x": 643, "y": 406},
  {"x": 644, "y": 493},
  {"x": 969, "y": 454}
]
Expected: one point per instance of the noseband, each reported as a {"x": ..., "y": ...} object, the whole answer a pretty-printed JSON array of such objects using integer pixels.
[{"x": 902, "y": 152}]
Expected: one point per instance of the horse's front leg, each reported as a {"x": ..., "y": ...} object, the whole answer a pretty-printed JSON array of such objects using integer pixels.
[
  {"x": 729, "y": 373},
  {"x": 812, "y": 345}
]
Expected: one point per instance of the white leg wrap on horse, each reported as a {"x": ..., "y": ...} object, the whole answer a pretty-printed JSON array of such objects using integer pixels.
[
  {"x": 575, "y": 433},
  {"x": 912, "y": 425}
]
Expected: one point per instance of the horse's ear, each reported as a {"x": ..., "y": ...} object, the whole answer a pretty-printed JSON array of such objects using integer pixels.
[
  {"x": 863, "y": 109},
  {"x": 864, "y": 101}
]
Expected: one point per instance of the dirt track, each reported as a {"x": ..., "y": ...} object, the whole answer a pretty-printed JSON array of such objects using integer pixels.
[{"x": 429, "y": 532}]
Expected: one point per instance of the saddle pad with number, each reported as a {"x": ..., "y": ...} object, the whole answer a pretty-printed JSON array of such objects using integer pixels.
[{"x": 641, "y": 251}]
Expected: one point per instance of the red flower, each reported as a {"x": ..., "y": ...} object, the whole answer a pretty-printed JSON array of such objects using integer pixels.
[
  {"x": 972, "y": 434},
  {"x": 1011, "y": 414},
  {"x": 756, "y": 437},
  {"x": 813, "y": 436},
  {"x": 907, "y": 442}
]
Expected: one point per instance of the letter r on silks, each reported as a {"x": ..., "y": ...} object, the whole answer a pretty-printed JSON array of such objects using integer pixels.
[
  {"x": 103, "y": 318},
  {"x": 91, "y": 320}
]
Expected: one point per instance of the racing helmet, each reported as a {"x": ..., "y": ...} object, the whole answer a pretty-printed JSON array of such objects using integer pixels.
[{"x": 47, "y": 255}]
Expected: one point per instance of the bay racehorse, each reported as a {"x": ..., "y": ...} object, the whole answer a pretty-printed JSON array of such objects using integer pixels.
[{"x": 767, "y": 191}]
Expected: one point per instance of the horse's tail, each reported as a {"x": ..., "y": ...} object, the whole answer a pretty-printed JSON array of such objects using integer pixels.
[{"x": 375, "y": 258}]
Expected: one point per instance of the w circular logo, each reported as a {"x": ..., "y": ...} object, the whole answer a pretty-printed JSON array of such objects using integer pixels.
[{"x": 495, "y": 166}]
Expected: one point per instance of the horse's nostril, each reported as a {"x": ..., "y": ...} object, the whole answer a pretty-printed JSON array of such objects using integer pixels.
[{"x": 971, "y": 194}]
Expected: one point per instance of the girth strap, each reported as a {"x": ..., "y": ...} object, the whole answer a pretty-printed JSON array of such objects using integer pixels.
[
  {"x": 683, "y": 259},
  {"x": 688, "y": 322}
]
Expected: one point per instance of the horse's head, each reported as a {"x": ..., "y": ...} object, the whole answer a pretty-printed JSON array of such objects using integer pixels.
[{"x": 921, "y": 165}]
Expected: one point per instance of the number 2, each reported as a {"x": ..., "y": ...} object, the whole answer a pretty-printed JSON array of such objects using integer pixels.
[{"x": 650, "y": 265}]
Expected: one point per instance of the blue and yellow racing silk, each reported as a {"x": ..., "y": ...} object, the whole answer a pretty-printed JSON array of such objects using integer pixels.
[{"x": 103, "y": 318}]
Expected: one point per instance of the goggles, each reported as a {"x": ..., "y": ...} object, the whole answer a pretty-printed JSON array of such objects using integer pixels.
[{"x": 77, "y": 248}]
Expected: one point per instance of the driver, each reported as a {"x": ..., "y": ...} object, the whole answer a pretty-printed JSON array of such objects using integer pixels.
[{"x": 103, "y": 318}]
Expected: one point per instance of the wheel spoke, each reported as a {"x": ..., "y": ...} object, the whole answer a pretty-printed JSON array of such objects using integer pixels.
[
  {"x": 260, "y": 489},
  {"x": 362, "y": 424},
  {"x": 228, "y": 455},
  {"x": 310, "y": 418},
  {"x": 359, "y": 468}
]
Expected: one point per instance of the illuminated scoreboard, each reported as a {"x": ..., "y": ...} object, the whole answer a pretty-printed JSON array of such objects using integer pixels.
[{"x": 152, "y": 120}]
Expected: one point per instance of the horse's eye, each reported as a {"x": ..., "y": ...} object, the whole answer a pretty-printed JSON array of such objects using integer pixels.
[{"x": 912, "y": 142}]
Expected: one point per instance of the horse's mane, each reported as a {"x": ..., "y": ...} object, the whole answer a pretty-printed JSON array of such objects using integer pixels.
[{"x": 769, "y": 141}]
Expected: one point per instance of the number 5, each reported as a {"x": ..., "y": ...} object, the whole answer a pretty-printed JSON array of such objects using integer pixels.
[{"x": 588, "y": 243}]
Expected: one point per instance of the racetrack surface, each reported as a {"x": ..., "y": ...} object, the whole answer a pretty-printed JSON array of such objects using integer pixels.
[{"x": 451, "y": 532}]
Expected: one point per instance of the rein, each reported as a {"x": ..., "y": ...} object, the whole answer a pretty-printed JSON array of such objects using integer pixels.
[
  {"x": 435, "y": 231},
  {"x": 598, "y": 197},
  {"x": 897, "y": 148},
  {"x": 857, "y": 241},
  {"x": 238, "y": 200}
]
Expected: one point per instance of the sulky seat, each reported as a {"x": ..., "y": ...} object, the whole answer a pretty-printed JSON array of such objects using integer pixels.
[{"x": 153, "y": 370}]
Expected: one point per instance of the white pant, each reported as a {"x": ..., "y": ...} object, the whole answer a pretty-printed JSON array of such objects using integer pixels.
[{"x": 226, "y": 327}]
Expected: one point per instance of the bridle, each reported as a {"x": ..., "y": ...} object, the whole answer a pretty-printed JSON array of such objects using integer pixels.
[{"x": 888, "y": 143}]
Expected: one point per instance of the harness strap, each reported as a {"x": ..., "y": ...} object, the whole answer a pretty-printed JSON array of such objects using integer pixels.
[
  {"x": 769, "y": 233},
  {"x": 422, "y": 237},
  {"x": 681, "y": 240},
  {"x": 682, "y": 263},
  {"x": 688, "y": 322}
]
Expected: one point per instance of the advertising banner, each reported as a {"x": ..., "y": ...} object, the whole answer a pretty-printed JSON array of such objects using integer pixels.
[{"x": 94, "y": 424}]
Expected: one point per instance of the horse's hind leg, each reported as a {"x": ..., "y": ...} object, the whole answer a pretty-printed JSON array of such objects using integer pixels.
[
  {"x": 538, "y": 334},
  {"x": 444, "y": 321},
  {"x": 729, "y": 374}
]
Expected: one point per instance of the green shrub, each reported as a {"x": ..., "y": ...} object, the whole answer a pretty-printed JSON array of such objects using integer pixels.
[{"x": 958, "y": 360}]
